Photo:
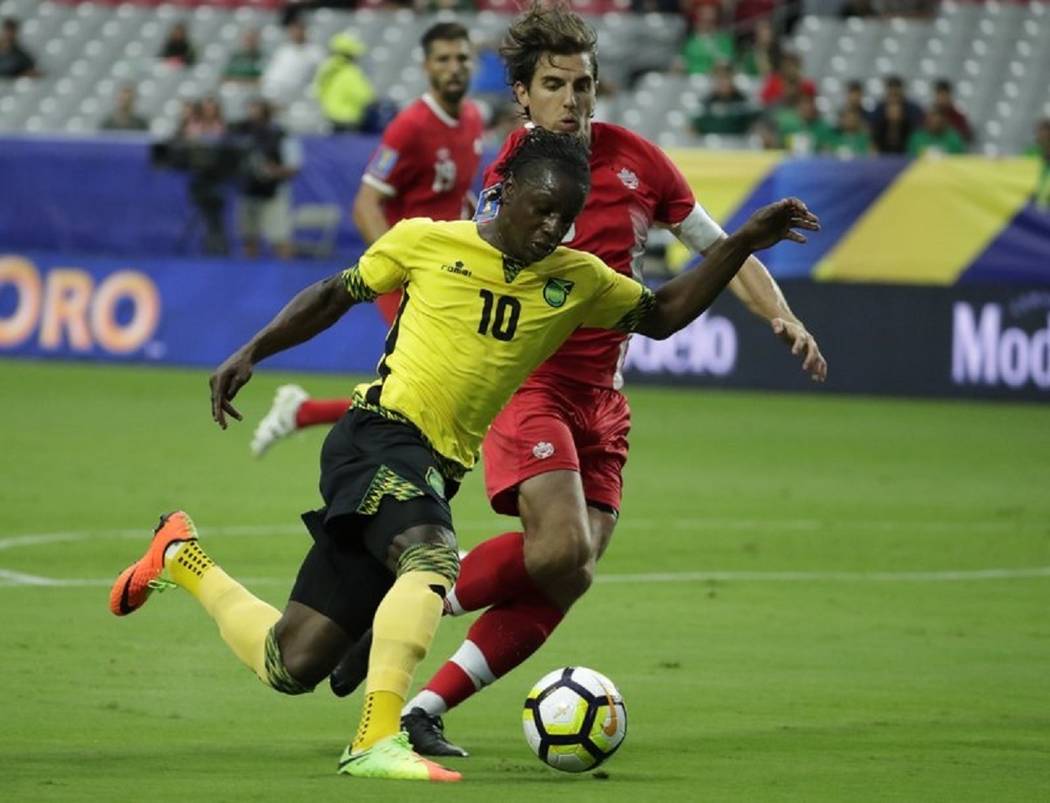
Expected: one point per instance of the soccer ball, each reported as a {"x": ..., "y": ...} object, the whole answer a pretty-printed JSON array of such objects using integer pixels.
[{"x": 574, "y": 719}]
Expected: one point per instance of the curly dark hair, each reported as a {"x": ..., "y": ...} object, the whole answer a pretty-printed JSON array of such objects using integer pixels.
[
  {"x": 546, "y": 28},
  {"x": 444, "y": 31},
  {"x": 567, "y": 152}
]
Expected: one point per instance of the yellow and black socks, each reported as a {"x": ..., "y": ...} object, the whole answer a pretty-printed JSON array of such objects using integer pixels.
[
  {"x": 403, "y": 630},
  {"x": 245, "y": 621}
]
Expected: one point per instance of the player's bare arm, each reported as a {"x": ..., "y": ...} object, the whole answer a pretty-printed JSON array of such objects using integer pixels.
[
  {"x": 312, "y": 311},
  {"x": 761, "y": 294},
  {"x": 757, "y": 290},
  {"x": 368, "y": 214},
  {"x": 685, "y": 297}
]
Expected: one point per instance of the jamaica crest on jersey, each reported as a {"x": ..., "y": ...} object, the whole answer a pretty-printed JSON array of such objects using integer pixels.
[{"x": 556, "y": 291}]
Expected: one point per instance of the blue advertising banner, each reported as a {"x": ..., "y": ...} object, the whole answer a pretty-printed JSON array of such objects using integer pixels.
[
  {"x": 185, "y": 312},
  {"x": 981, "y": 341}
]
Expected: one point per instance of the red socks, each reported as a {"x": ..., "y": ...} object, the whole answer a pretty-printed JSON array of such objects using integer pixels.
[
  {"x": 492, "y": 572},
  {"x": 388, "y": 305},
  {"x": 320, "y": 411},
  {"x": 501, "y": 639}
]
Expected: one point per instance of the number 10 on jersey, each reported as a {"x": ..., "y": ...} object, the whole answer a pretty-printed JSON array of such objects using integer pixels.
[{"x": 505, "y": 320}]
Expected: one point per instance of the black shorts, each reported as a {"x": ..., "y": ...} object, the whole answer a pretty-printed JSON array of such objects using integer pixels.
[{"x": 378, "y": 478}]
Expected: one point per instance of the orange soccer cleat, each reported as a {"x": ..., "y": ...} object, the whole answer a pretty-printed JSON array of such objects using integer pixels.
[{"x": 141, "y": 578}]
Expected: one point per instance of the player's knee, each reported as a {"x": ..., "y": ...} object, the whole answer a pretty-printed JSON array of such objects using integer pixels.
[
  {"x": 288, "y": 668},
  {"x": 576, "y": 583},
  {"x": 306, "y": 670},
  {"x": 557, "y": 556}
]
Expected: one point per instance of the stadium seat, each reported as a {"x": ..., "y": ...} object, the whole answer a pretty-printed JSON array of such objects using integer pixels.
[{"x": 321, "y": 223}]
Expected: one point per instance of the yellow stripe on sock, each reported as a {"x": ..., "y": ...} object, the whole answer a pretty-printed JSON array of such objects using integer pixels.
[{"x": 932, "y": 222}]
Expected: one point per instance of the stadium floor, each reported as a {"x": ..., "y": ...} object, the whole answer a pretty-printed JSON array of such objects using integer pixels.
[{"x": 808, "y": 599}]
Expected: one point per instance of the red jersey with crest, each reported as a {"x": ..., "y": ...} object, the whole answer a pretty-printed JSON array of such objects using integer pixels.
[
  {"x": 426, "y": 161},
  {"x": 634, "y": 186}
]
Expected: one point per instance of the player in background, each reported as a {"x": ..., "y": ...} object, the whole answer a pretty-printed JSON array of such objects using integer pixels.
[
  {"x": 384, "y": 550},
  {"x": 424, "y": 167},
  {"x": 556, "y": 452}
]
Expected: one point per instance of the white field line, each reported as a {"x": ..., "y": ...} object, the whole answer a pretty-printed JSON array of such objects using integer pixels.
[{"x": 10, "y": 579}]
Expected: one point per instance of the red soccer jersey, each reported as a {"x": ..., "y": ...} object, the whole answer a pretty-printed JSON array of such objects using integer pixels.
[
  {"x": 426, "y": 161},
  {"x": 633, "y": 186}
]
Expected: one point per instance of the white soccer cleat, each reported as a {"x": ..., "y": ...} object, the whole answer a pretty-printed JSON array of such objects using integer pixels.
[{"x": 279, "y": 422}]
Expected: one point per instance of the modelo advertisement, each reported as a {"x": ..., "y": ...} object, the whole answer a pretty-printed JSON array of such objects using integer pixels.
[{"x": 973, "y": 341}]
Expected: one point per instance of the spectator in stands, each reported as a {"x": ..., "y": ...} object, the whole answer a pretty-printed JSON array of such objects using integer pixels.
[
  {"x": 945, "y": 104},
  {"x": 787, "y": 82},
  {"x": 707, "y": 44},
  {"x": 15, "y": 60},
  {"x": 760, "y": 55},
  {"x": 936, "y": 136},
  {"x": 270, "y": 159},
  {"x": 747, "y": 13},
  {"x": 203, "y": 152},
  {"x": 858, "y": 8},
  {"x": 855, "y": 102},
  {"x": 805, "y": 132},
  {"x": 1041, "y": 149},
  {"x": 725, "y": 110},
  {"x": 341, "y": 86},
  {"x": 124, "y": 117},
  {"x": 177, "y": 49},
  {"x": 246, "y": 63},
  {"x": 852, "y": 137},
  {"x": 292, "y": 66},
  {"x": 656, "y": 6},
  {"x": 895, "y": 118}
]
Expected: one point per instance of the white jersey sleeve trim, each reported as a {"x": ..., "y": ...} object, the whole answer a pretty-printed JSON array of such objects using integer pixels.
[
  {"x": 382, "y": 186},
  {"x": 698, "y": 230}
]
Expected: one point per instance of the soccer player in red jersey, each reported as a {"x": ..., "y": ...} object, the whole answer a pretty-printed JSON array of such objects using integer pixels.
[
  {"x": 554, "y": 456},
  {"x": 423, "y": 167}
]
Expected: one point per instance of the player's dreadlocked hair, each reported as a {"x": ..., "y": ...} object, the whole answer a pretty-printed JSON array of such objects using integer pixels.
[
  {"x": 567, "y": 152},
  {"x": 545, "y": 28}
]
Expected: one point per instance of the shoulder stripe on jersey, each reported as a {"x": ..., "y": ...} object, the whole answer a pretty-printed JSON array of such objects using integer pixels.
[
  {"x": 356, "y": 286},
  {"x": 375, "y": 183},
  {"x": 629, "y": 322}
]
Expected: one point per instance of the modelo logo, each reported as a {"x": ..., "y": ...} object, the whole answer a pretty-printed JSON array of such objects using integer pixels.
[
  {"x": 65, "y": 308},
  {"x": 984, "y": 353},
  {"x": 706, "y": 346}
]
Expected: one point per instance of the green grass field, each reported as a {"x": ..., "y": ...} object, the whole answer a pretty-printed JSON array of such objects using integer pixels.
[{"x": 797, "y": 604}]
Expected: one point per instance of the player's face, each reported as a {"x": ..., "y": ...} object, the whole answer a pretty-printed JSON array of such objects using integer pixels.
[
  {"x": 561, "y": 95},
  {"x": 449, "y": 66},
  {"x": 536, "y": 214}
]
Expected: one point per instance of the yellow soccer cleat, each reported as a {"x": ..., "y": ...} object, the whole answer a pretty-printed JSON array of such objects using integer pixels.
[{"x": 392, "y": 758}]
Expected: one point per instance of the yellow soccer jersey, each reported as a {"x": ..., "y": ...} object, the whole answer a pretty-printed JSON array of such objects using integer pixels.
[{"x": 473, "y": 325}]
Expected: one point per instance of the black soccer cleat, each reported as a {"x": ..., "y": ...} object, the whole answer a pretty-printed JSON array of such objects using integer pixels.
[
  {"x": 353, "y": 668},
  {"x": 427, "y": 734}
]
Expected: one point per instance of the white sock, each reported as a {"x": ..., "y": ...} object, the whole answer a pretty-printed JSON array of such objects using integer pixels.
[
  {"x": 430, "y": 702},
  {"x": 169, "y": 553},
  {"x": 452, "y": 606}
]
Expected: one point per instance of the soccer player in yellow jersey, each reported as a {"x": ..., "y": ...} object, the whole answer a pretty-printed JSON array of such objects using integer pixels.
[{"x": 483, "y": 304}]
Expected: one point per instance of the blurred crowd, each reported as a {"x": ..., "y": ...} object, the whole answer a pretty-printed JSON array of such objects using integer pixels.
[{"x": 776, "y": 105}]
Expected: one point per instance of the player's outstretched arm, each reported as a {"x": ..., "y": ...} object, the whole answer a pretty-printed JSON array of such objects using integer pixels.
[
  {"x": 312, "y": 311},
  {"x": 759, "y": 292},
  {"x": 682, "y": 300}
]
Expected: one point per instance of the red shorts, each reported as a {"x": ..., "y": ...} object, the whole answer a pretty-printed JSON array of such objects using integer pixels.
[
  {"x": 553, "y": 427},
  {"x": 388, "y": 304}
]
